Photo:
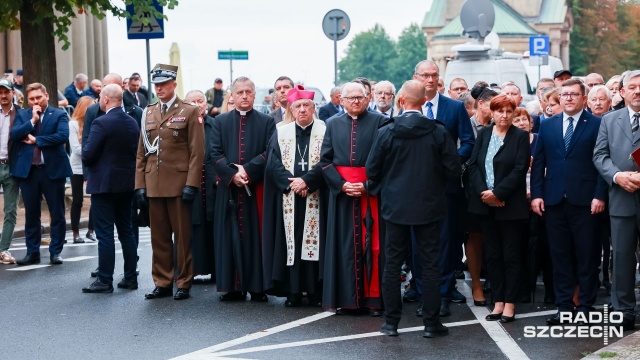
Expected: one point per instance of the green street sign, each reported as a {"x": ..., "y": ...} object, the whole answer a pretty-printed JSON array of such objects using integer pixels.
[{"x": 233, "y": 55}]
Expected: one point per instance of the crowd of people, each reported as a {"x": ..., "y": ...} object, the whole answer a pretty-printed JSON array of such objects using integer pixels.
[{"x": 330, "y": 207}]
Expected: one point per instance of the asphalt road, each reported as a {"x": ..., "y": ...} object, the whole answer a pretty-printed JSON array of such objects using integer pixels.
[{"x": 45, "y": 315}]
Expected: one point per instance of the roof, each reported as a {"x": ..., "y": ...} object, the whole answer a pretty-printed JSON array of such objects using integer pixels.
[
  {"x": 508, "y": 23},
  {"x": 435, "y": 17},
  {"x": 552, "y": 12}
]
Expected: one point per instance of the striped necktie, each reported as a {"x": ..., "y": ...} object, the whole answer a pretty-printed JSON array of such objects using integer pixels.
[
  {"x": 569, "y": 133},
  {"x": 430, "y": 110},
  {"x": 635, "y": 124}
]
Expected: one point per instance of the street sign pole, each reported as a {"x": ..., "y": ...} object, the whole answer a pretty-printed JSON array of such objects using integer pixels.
[
  {"x": 335, "y": 52},
  {"x": 230, "y": 68},
  {"x": 232, "y": 55},
  {"x": 154, "y": 29},
  {"x": 336, "y": 25}
]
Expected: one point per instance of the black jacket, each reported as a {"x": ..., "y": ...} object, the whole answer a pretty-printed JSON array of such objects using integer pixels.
[
  {"x": 510, "y": 166},
  {"x": 412, "y": 158}
]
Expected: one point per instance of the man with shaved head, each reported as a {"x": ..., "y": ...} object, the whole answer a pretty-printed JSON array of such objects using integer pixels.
[
  {"x": 413, "y": 139},
  {"x": 110, "y": 157},
  {"x": 94, "y": 89}
]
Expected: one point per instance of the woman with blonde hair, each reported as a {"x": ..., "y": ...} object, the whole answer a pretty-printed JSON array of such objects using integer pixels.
[
  {"x": 227, "y": 103},
  {"x": 77, "y": 180}
]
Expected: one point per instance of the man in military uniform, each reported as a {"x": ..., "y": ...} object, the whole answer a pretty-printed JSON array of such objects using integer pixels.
[{"x": 168, "y": 170}]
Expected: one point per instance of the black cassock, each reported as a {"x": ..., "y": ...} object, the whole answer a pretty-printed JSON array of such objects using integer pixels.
[
  {"x": 303, "y": 275},
  {"x": 202, "y": 211},
  {"x": 347, "y": 143},
  {"x": 239, "y": 139}
]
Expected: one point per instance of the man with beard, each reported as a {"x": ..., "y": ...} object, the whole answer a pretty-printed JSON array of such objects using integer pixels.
[
  {"x": 240, "y": 139},
  {"x": 352, "y": 258},
  {"x": 383, "y": 94},
  {"x": 293, "y": 232}
]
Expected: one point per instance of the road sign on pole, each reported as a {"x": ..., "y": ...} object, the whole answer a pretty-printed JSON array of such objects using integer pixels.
[
  {"x": 336, "y": 26},
  {"x": 232, "y": 55},
  {"x": 538, "y": 45},
  {"x": 138, "y": 30}
]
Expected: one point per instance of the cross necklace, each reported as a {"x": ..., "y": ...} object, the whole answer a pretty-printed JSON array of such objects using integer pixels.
[{"x": 302, "y": 163}]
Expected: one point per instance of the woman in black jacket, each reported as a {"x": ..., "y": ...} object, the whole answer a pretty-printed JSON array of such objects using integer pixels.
[{"x": 497, "y": 171}]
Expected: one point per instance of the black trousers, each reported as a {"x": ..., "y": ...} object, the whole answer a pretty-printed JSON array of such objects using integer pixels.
[
  {"x": 77, "y": 197},
  {"x": 502, "y": 253},
  {"x": 398, "y": 240},
  {"x": 574, "y": 240}
]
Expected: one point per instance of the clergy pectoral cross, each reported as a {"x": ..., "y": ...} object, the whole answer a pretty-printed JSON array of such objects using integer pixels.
[{"x": 302, "y": 164}]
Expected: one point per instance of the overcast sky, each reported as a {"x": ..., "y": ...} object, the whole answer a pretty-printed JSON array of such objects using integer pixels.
[{"x": 283, "y": 37}]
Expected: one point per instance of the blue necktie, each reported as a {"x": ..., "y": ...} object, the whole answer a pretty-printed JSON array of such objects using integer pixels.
[
  {"x": 568, "y": 134},
  {"x": 430, "y": 111}
]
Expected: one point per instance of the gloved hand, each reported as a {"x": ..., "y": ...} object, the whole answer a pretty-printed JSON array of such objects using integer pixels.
[
  {"x": 189, "y": 193},
  {"x": 141, "y": 197}
]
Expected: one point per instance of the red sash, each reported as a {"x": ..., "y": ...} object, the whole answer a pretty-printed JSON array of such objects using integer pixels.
[{"x": 356, "y": 175}]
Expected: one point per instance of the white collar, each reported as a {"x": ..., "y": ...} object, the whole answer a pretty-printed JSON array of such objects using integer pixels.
[
  {"x": 575, "y": 117},
  {"x": 170, "y": 102},
  {"x": 304, "y": 127},
  {"x": 434, "y": 101},
  {"x": 631, "y": 112}
]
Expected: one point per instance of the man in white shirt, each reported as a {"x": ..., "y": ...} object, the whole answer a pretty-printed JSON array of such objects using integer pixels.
[{"x": 9, "y": 184}]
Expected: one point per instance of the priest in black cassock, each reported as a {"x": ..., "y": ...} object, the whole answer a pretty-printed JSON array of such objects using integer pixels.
[
  {"x": 202, "y": 207},
  {"x": 353, "y": 255},
  {"x": 295, "y": 205},
  {"x": 240, "y": 139}
]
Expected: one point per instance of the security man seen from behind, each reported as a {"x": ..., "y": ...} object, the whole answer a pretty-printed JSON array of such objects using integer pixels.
[{"x": 168, "y": 170}]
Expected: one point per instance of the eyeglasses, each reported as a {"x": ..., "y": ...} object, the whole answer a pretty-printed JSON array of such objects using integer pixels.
[
  {"x": 354, "y": 98},
  {"x": 379, "y": 93},
  {"x": 428, "y": 76},
  {"x": 570, "y": 95}
]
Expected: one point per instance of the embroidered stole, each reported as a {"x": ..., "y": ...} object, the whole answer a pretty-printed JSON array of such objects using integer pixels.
[{"x": 311, "y": 234}]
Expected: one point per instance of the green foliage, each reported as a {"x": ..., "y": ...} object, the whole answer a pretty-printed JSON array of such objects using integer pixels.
[
  {"x": 60, "y": 12},
  {"x": 374, "y": 55},
  {"x": 607, "y": 354}
]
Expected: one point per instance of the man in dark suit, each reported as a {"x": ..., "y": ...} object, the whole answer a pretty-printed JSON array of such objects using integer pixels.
[
  {"x": 333, "y": 107},
  {"x": 133, "y": 96},
  {"x": 75, "y": 90},
  {"x": 566, "y": 186},
  {"x": 93, "y": 112},
  {"x": 110, "y": 156},
  {"x": 456, "y": 120},
  {"x": 619, "y": 137},
  {"x": 282, "y": 85},
  {"x": 412, "y": 139},
  {"x": 43, "y": 166}
]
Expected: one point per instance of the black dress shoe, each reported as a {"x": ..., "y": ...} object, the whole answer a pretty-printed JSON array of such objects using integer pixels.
[
  {"x": 444, "y": 309},
  {"x": 98, "y": 287},
  {"x": 258, "y": 297},
  {"x": 128, "y": 284},
  {"x": 479, "y": 302},
  {"x": 181, "y": 294},
  {"x": 507, "y": 319},
  {"x": 459, "y": 274},
  {"x": 435, "y": 330},
  {"x": 234, "y": 296},
  {"x": 457, "y": 297},
  {"x": 293, "y": 301},
  {"x": 376, "y": 312},
  {"x": 55, "y": 259},
  {"x": 94, "y": 273},
  {"x": 628, "y": 323},
  {"x": 388, "y": 329},
  {"x": 410, "y": 295},
  {"x": 29, "y": 259},
  {"x": 493, "y": 317},
  {"x": 158, "y": 292},
  {"x": 555, "y": 319}
]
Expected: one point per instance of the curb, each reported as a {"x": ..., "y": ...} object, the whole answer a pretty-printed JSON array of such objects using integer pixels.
[
  {"x": 19, "y": 232},
  {"x": 626, "y": 348}
]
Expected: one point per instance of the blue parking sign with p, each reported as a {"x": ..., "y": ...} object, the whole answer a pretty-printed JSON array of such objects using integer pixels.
[{"x": 538, "y": 45}]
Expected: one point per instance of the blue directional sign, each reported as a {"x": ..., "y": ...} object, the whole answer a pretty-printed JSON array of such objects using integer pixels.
[
  {"x": 153, "y": 30},
  {"x": 233, "y": 55},
  {"x": 538, "y": 45}
]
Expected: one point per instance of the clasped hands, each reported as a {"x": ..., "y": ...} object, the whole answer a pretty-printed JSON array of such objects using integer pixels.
[
  {"x": 241, "y": 178},
  {"x": 489, "y": 198},
  {"x": 628, "y": 180},
  {"x": 354, "y": 189},
  {"x": 299, "y": 187}
]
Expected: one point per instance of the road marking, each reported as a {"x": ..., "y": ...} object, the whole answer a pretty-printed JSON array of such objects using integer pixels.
[
  {"x": 79, "y": 258},
  {"x": 92, "y": 243},
  {"x": 28, "y": 267},
  {"x": 326, "y": 340},
  {"x": 496, "y": 331},
  {"x": 208, "y": 352}
]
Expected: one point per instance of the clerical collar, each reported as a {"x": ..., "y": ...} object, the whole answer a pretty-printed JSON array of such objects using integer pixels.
[
  {"x": 304, "y": 127},
  {"x": 170, "y": 102},
  {"x": 243, "y": 113},
  {"x": 355, "y": 117}
]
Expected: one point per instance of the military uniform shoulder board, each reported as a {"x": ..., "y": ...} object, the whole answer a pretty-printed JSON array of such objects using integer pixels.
[{"x": 153, "y": 104}]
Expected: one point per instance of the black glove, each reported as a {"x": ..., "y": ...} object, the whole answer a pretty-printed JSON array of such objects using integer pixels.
[
  {"x": 189, "y": 193},
  {"x": 141, "y": 197}
]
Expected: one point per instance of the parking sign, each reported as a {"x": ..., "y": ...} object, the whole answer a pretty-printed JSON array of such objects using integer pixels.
[{"x": 538, "y": 45}]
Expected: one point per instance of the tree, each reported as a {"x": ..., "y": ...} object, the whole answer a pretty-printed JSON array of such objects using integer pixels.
[
  {"x": 411, "y": 49},
  {"x": 42, "y": 21},
  {"x": 369, "y": 54}
]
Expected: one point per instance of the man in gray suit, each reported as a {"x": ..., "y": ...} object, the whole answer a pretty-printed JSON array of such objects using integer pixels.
[
  {"x": 282, "y": 86},
  {"x": 617, "y": 139}
]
